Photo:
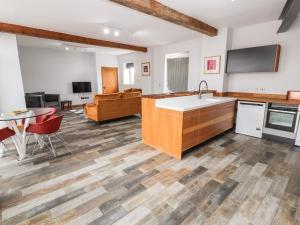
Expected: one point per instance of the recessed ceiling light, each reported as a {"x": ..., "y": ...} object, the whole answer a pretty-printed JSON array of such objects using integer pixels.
[
  {"x": 106, "y": 30},
  {"x": 233, "y": 0},
  {"x": 117, "y": 33},
  {"x": 67, "y": 48}
]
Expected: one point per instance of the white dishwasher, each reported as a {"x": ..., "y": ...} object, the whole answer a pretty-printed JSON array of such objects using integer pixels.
[
  {"x": 250, "y": 118},
  {"x": 298, "y": 133}
]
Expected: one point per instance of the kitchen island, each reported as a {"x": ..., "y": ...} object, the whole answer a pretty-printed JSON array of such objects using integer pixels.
[{"x": 174, "y": 125}]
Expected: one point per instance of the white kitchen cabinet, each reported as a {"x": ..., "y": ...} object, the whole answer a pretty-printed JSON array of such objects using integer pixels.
[
  {"x": 298, "y": 138},
  {"x": 250, "y": 118},
  {"x": 298, "y": 133}
]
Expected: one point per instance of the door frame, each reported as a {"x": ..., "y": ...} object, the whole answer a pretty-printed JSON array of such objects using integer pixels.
[{"x": 117, "y": 80}]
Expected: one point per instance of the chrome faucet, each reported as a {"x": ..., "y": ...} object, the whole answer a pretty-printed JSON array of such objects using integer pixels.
[{"x": 201, "y": 90}]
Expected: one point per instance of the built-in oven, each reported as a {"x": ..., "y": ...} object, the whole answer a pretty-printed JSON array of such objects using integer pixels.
[{"x": 281, "y": 122}]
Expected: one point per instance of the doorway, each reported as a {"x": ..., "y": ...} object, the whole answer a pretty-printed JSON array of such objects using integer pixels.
[{"x": 109, "y": 80}]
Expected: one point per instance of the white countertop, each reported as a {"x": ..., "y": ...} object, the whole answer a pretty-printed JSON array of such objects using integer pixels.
[{"x": 186, "y": 103}]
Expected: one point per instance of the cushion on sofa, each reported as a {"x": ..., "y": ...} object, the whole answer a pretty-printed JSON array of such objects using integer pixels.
[
  {"x": 107, "y": 97},
  {"x": 127, "y": 90},
  {"x": 131, "y": 94},
  {"x": 132, "y": 90}
]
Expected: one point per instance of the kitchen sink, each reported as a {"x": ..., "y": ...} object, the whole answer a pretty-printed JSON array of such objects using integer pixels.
[{"x": 212, "y": 100}]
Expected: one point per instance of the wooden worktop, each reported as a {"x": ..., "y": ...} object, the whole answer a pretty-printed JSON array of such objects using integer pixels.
[
  {"x": 177, "y": 94},
  {"x": 257, "y": 97},
  {"x": 269, "y": 100},
  {"x": 242, "y": 96}
]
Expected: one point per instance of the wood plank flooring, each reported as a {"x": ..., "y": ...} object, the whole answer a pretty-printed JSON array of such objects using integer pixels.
[{"x": 104, "y": 175}]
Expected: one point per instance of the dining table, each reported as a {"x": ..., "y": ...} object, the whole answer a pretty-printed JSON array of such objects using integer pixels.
[{"x": 18, "y": 121}]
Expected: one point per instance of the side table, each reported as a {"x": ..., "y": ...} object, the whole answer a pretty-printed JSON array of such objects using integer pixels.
[{"x": 66, "y": 103}]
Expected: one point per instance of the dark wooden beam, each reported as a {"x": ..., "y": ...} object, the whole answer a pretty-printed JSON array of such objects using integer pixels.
[
  {"x": 288, "y": 15},
  {"x": 154, "y": 8},
  {"x": 40, "y": 33}
]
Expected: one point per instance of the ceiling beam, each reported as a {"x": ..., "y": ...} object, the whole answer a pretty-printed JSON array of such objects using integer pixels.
[
  {"x": 40, "y": 33},
  {"x": 289, "y": 15},
  {"x": 154, "y": 8}
]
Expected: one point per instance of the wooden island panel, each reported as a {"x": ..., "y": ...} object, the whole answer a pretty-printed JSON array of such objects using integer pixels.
[
  {"x": 207, "y": 123},
  {"x": 161, "y": 128},
  {"x": 174, "y": 132}
]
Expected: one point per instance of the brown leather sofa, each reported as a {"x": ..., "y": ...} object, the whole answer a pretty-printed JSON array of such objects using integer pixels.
[
  {"x": 116, "y": 105},
  {"x": 133, "y": 90}
]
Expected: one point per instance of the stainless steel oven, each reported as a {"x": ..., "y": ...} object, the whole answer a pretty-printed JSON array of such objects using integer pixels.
[{"x": 281, "y": 122}]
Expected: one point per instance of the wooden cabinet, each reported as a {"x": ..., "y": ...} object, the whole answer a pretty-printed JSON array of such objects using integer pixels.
[
  {"x": 189, "y": 134},
  {"x": 202, "y": 124},
  {"x": 174, "y": 132}
]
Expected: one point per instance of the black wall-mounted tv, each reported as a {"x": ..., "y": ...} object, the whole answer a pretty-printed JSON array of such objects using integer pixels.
[
  {"x": 252, "y": 60},
  {"x": 82, "y": 87}
]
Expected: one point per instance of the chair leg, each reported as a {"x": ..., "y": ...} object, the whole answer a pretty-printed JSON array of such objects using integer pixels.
[
  {"x": 2, "y": 149},
  {"x": 53, "y": 149},
  {"x": 29, "y": 136},
  {"x": 42, "y": 142},
  {"x": 39, "y": 141},
  {"x": 59, "y": 137},
  {"x": 36, "y": 143},
  {"x": 4, "y": 145}
]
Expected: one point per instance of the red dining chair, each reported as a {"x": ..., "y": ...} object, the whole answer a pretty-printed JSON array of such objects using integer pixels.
[
  {"x": 40, "y": 119},
  {"x": 5, "y": 133},
  {"x": 43, "y": 118},
  {"x": 45, "y": 130}
]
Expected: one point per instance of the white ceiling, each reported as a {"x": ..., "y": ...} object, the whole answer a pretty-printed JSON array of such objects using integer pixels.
[
  {"x": 60, "y": 45},
  {"x": 88, "y": 17},
  {"x": 228, "y": 13}
]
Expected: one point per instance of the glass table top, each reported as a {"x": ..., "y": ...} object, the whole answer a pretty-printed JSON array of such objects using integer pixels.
[{"x": 24, "y": 114}]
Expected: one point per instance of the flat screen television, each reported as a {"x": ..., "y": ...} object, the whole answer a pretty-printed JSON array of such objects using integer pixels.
[
  {"x": 252, "y": 60},
  {"x": 82, "y": 87}
]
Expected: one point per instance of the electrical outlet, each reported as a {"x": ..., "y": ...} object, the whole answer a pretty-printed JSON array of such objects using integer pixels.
[
  {"x": 260, "y": 89},
  {"x": 86, "y": 97}
]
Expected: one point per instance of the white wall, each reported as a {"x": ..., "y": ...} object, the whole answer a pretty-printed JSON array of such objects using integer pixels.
[
  {"x": 156, "y": 56},
  {"x": 144, "y": 82},
  {"x": 193, "y": 47},
  {"x": 256, "y": 35},
  {"x": 53, "y": 71},
  {"x": 11, "y": 86},
  {"x": 216, "y": 46},
  {"x": 104, "y": 60},
  {"x": 197, "y": 49},
  {"x": 288, "y": 77}
]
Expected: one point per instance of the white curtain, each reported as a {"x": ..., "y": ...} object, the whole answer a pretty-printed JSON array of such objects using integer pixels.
[
  {"x": 128, "y": 78},
  {"x": 177, "y": 74}
]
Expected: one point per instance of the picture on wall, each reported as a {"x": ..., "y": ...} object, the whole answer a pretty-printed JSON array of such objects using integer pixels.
[
  {"x": 212, "y": 65},
  {"x": 146, "y": 69}
]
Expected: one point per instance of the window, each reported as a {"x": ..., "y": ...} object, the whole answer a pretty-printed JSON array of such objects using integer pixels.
[
  {"x": 128, "y": 73},
  {"x": 176, "y": 72}
]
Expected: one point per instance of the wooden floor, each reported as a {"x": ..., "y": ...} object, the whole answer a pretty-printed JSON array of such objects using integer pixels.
[{"x": 105, "y": 175}]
